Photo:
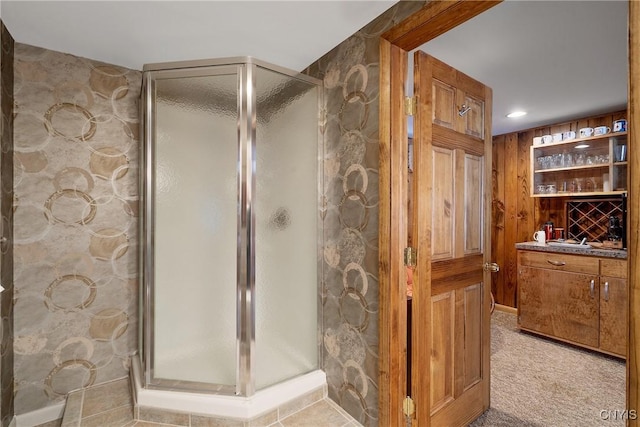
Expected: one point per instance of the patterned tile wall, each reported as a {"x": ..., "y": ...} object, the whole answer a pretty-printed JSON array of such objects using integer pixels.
[
  {"x": 350, "y": 284},
  {"x": 6, "y": 214},
  {"x": 75, "y": 232}
]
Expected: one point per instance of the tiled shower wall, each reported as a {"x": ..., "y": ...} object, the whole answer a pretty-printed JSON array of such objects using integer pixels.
[
  {"x": 75, "y": 233},
  {"x": 6, "y": 217},
  {"x": 350, "y": 284}
]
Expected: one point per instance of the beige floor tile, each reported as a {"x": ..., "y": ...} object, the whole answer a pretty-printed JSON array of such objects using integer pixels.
[
  {"x": 147, "y": 424},
  {"x": 163, "y": 417},
  {"x": 115, "y": 417},
  {"x": 73, "y": 409},
  {"x": 106, "y": 396},
  {"x": 320, "y": 414},
  {"x": 197, "y": 421},
  {"x": 300, "y": 403}
]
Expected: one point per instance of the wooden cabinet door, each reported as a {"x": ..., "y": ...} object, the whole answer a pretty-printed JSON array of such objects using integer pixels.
[
  {"x": 575, "y": 315},
  {"x": 559, "y": 304},
  {"x": 613, "y": 315},
  {"x": 450, "y": 226},
  {"x": 533, "y": 303}
]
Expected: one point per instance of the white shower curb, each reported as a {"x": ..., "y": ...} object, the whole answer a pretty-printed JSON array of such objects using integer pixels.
[{"x": 245, "y": 408}]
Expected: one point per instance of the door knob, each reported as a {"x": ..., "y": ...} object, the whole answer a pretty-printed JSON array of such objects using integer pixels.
[{"x": 492, "y": 267}]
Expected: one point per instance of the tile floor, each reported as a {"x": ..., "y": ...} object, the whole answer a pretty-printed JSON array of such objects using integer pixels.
[{"x": 110, "y": 405}]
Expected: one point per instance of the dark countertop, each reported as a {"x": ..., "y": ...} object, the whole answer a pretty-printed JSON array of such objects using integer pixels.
[{"x": 603, "y": 253}]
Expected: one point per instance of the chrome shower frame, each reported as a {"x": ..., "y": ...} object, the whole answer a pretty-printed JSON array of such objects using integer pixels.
[{"x": 244, "y": 67}]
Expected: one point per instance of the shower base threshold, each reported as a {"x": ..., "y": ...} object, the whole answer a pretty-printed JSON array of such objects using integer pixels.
[{"x": 311, "y": 385}]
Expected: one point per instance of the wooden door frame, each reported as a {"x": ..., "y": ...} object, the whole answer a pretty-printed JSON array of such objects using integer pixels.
[{"x": 434, "y": 19}]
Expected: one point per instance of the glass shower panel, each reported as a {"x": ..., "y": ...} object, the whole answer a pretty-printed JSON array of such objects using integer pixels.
[
  {"x": 196, "y": 208},
  {"x": 286, "y": 239}
]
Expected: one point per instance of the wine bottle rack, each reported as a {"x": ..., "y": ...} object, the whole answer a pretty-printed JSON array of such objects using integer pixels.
[{"x": 590, "y": 218}]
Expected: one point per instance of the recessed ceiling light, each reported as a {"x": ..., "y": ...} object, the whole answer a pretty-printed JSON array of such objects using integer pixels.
[
  {"x": 516, "y": 114},
  {"x": 582, "y": 146}
]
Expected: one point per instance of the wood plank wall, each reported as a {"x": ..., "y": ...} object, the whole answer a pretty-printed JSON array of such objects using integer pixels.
[{"x": 516, "y": 215}]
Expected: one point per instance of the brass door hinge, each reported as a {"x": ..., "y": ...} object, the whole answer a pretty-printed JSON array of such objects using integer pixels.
[
  {"x": 410, "y": 105},
  {"x": 410, "y": 257},
  {"x": 408, "y": 407}
]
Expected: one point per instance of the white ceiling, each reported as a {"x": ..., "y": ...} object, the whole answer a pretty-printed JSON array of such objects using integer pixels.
[
  {"x": 556, "y": 59},
  {"x": 292, "y": 34}
]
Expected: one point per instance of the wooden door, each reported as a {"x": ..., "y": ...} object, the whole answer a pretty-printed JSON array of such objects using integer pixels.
[{"x": 450, "y": 229}]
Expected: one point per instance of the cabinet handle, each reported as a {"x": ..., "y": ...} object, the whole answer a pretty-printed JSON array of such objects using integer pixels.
[
  {"x": 592, "y": 288},
  {"x": 606, "y": 291},
  {"x": 556, "y": 263}
]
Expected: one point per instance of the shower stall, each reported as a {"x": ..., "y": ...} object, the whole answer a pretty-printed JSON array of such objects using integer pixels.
[{"x": 230, "y": 229}]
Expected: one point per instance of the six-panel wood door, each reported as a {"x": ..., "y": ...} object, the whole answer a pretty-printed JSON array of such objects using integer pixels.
[{"x": 451, "y": 295}]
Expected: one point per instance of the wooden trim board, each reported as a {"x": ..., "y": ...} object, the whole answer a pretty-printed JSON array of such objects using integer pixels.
[
  {"x": 633, "y": 207},
  {"x": 506, "y": 309}
]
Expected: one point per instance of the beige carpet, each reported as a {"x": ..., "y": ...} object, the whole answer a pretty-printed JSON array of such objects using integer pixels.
[{"x": 540, "y": 382}]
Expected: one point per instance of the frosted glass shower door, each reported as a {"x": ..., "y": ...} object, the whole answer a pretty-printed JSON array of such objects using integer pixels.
[
  {"x": 231, "y": 226},
  {"x": 287, "y": 238},
  {"x": 195, "y": 191}
]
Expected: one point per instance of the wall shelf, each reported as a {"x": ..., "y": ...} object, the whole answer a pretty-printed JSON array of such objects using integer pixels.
[{"x": 579, "y": 167}]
